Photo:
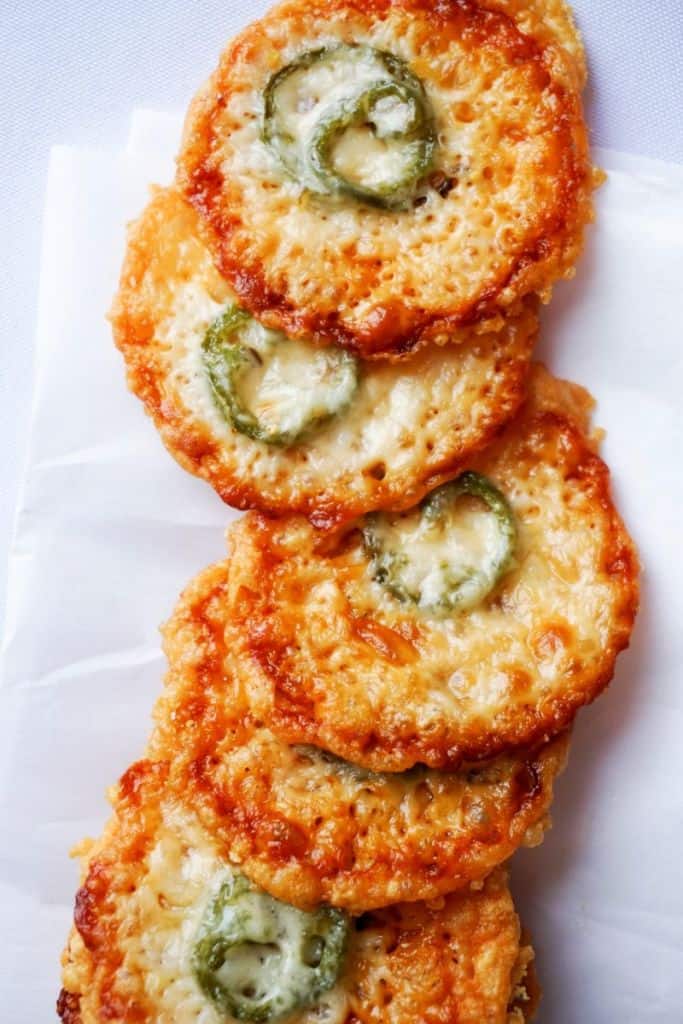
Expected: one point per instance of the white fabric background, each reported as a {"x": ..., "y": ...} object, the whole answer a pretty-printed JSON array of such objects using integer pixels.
[{"x": 72, "y": 70}]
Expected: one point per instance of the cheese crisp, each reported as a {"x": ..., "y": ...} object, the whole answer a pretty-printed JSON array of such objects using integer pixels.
[
  {"x": 476, "y": 624},
  {"x": 379, "y": 174},
  {"x": 167, "y": 933},
  {"x": 311, "y": 828},
  {"x": 272, "y": 423}
]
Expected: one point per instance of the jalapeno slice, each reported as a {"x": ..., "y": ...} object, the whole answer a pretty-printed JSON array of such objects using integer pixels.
[
  {"x": 270, "y": 387},
  {"x": 351, "y": 120},
  {"x": 448, "y": 554},
  {"x": 258, "y": 959}
]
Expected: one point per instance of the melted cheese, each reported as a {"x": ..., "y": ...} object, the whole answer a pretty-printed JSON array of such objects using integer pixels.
[
  {"x": 363, "y": 158},
  {"x": 291, "y": 384},
  {"x": 392, "y": 828},
  {"x": 510, "y": 140},
  {"x": 153, "y": 875},
  {"x": 311, "y": 94},
  {"x": 407, "y": 423},
  {"x": 405, "y": 416},
  {"x": 436, "y": 555},
  {"x": 269, "y": 967},
  {"x": 183, "y": 873},
  {"x": 465, "y": 686}
]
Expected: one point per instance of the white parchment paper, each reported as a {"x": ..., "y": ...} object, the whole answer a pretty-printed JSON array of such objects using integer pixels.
[{"x": 109, "y": 530}]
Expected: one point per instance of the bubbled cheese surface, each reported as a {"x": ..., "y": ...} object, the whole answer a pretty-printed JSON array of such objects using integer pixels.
[
  {"x": 503, "y": 85},
  {"x": 308, "y": 827},
  {"x": 147, "y": 882},
  {"x": 331, "y": 657},
  {"x": 406, "y": 427}
]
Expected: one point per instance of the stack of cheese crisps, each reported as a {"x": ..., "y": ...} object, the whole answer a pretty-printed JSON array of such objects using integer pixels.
[{"x": 330, "y": 316}]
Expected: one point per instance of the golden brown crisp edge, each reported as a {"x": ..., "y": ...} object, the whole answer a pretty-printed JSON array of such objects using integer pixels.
[{"x": 548, "y": 252}]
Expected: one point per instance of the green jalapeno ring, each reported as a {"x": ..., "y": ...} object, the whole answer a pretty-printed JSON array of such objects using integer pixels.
[
  {"x": 386, "y": 565},
  {"x": 223, "y": 361},
  {"x": 421, "y": 136},
  {"x": 226, "y": 359},
  {"x": 241, "y": 920},
  {"x": 356, "y": 110},
  {"x": 274, "y": 137},
  {"x": 462, "y": 591},
  {"x": 278, "y": 139}
]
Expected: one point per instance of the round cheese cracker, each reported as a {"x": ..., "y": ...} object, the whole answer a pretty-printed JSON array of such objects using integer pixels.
[
  {"x": 146, "y": 891},
  {"x": 487, "y": 638},
  {"x": 310, "y": 828},
  {"x": 321, "y": 111},
  {"x": 398, "y": 430}
]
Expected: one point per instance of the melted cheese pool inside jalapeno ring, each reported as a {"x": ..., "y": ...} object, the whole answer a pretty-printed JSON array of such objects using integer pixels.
[
  {"x": 351, "y": 120},
  {"x": 442, "y": 557},
  {"x": 270, "y": 387},
  {"x": 259, "y": 959}
]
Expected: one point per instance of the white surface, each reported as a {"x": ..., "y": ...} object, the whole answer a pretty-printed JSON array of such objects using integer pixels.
[
  {"x": 72, "y": 71},
  {"x": 111, "y": 529}
]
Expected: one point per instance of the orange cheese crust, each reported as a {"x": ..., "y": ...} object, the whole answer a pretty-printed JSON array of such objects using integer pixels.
[
  {"x": 457, "y": 961},
  {"x": 503, "y": 78},
  {"x": 311, "y": 829},
  {"x": 408, "y": 428},
  {"x": 551, "y": 23},
  {"x": 329, "y": 657}
]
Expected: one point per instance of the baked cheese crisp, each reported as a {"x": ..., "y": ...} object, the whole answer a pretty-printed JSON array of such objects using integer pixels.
[
  {"x": 359, "y": 435},
  {"x": 167, "y": 932},
  {"x": 475, "y": 624},
  {"x": 309, "y": 827},
  {"x": 376, "y": 175}
]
